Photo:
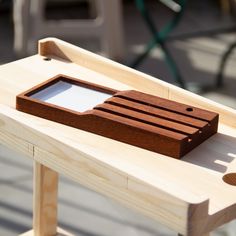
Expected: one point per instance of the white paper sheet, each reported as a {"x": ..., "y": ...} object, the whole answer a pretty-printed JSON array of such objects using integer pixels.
[{"x": 71, "y": 96}]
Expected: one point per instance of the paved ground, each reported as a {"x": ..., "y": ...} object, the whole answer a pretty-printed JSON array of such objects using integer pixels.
[{"x": 90, "y": 214}]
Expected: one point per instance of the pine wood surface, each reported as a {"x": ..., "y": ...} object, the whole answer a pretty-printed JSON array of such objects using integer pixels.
[{"x": 188, "y": 196}]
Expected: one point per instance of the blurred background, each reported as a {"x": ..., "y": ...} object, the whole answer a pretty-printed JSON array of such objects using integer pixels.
[{"x": 188, "y": 43}]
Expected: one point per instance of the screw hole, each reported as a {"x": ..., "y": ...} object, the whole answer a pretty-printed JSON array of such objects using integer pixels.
[
  {"x": 230, "y": 178},
  {"x": 47, "y": 59},
  {"x": 189, "y": 109}
]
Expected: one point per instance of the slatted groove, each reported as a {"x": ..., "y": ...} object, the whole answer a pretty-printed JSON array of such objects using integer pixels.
[
  {"x": 165, "y": 104},
  {"x": 147, "y": 119},
  {"x": 140, "y": 125},
  {"x": 157, "y": 112}
]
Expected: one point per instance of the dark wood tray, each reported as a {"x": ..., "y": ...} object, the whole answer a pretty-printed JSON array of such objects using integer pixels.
[{"x": 133, "y": 117}]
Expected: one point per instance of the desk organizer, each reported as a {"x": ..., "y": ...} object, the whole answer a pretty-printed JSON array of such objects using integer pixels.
[{"x": 133, "y": 117}]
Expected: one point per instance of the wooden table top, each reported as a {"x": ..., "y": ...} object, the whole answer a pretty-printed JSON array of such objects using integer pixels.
[{"x": 182, "y": 194}]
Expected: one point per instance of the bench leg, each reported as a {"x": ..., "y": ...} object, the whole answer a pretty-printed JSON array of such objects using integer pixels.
[{"x": 45, "y": 200}]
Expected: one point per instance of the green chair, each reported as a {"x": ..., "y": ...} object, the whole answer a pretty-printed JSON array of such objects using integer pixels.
[
  {"x": 223, "y": 62},
  {"x": 159, "y": 36}
]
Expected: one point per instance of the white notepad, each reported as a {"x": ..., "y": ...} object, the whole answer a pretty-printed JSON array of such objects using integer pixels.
[{"x": 71, "y": 96}]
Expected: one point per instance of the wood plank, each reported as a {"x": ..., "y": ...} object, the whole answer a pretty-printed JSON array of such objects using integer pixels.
[
  {"x": 144, "y": 118},
  {"x": 73, "y": 153},
  {"x": 125, "y": 194},
  {"x": 45, "y": 200},
  {"x": 180, "y": 108},
  {"x": 157, "y": 112},
  {"x": 102, "y": 176}
]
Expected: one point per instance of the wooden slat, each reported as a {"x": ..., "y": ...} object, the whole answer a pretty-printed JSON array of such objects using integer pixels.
[
  {"x": 146, "y": 127},
  {"x": 168, "y": 105},
  {"x": 147, "y": 119},
  {"x": 157, "y": 112}
]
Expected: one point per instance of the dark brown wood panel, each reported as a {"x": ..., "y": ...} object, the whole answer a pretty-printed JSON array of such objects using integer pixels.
[{"x": 136, "y": 118}]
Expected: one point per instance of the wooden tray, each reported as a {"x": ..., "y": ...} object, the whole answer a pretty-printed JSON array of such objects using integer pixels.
[
  {"x": 130, "y": 116},
  {"x": 189, "y": 196}
]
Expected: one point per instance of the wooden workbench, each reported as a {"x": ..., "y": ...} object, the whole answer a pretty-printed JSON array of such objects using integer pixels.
[{"x": 188, "y": 195}]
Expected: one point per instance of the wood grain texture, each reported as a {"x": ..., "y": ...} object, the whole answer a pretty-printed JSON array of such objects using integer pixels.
[
  {"x": 157, "y": 112},
  {"x": 82, "y": 166},
  {"x": 45, "y": 201},
  {"x": 133, "y": 180},
  {"x": 18, "y": 144},
  {"x": 185, "y": 195}
]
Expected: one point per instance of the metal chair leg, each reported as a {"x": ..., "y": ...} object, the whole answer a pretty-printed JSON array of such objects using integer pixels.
[
  {"x": 168, "y": 58},
  {"x": 159, "y": 38},
  {"x": 224, "y": 59}
]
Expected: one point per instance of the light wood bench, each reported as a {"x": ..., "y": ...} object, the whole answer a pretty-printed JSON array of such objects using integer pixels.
[{"x": 188, "y": 196}]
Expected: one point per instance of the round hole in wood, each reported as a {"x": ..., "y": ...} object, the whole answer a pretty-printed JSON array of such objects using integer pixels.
[
  {"x": 189, "y": 109},
  {"x": 47, "y": 59},
  {"x": 230, "y": 178}
]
